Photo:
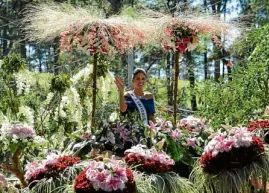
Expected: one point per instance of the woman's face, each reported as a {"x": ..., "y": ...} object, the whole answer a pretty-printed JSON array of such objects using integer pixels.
[{"x": 139, "y": 80}]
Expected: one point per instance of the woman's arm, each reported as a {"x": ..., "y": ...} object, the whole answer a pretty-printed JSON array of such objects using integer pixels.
[
  {"x": 152, "y": 118},
  {"x": 120, "y": 84}
]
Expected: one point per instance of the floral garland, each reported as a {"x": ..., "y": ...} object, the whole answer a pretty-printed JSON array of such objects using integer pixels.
[
  {"x": 52, "y": 167},
  {"x": 105, "y": 176},
  {"x": 148, "y": 160},
  {"x": 228, "y": 151},
  {"x": 100, "y": 37}
]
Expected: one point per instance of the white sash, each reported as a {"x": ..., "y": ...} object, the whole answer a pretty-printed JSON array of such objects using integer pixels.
[{"x": 141, "y": 108}]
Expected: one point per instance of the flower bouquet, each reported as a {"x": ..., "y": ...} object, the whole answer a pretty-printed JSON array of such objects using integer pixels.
[
  {"x": 51, "y": 173},
  {"x": 109, "y": 175},
  {"x": 158, "y": 168},
  {"x": 229, "y": 161}
]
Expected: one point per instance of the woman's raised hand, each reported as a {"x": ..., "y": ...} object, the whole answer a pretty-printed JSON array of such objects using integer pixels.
[{"x": 119, "y": 83}]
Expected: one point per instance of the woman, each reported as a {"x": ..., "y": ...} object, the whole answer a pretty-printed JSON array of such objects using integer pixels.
[{"x": 137, "y": 99}]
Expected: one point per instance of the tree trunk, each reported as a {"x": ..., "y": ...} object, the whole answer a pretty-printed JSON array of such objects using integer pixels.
[
  {"x": 169, "y": 80},
  {"x": 205, "y": 65},
  {"x": 192, "y": 80},
  {"x": 56, "y": 56},
  {"x": 94, "y": 86},
  {"x": 176, "y": 73},
  {"x": 217, "y": 66}
]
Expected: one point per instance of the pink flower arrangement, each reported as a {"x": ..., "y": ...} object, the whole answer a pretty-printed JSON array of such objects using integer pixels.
[
  {"x": 228, "y": 150},
  {"x": 105, "y": 176},
  {"x": 192, "y": 124},
  {"x": 148, "y": 160}
]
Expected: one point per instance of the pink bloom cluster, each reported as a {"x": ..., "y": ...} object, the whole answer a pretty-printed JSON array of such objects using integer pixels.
[
  {"x": 164, "y": 127},
  {"x": 122, "y": 131},
  {"x": 151, "y": 154},
  {"x": 108, "y": 176},
  {"x": 100, "y": 37},
  {"x": 192, "y": 124},
  {"x": 223, "y": 142},
  {"x": 179, "y": 37},
  {"x": 18, "y": 131}
]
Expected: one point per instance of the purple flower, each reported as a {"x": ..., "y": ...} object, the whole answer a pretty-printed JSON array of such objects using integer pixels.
[{"x": 22, "y": 131}]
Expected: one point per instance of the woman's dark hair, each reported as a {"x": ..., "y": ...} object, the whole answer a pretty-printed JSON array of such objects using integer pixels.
[{"x": 139, "y": 70}]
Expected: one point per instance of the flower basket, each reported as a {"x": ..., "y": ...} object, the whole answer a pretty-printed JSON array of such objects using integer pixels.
[
  {"x": 54, "y": 172},
  {"x": 157, "y": 169},
  {"x": 109, "y": 175},
  {"x": 229, "y": 162}
]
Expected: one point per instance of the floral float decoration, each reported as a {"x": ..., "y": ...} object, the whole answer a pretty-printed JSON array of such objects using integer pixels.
[
  {"x": 109, "y": 175},
  {"x": 52, "y": 173},
  {"x": 157, "y": 166},
  {"x": 230, "y": 160}
]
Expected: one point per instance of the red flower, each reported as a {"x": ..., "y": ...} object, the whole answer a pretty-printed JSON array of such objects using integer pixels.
[
  {"x": 146, "y": 165},
  {"x": 258, "y": 124}
]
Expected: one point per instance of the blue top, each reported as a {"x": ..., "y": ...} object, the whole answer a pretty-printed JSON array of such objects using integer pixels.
[{"x": 131, "y": 106}]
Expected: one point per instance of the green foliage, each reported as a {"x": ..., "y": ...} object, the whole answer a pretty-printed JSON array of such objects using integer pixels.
[
  {"x": 173, "y": 149},
  {"x": 245, "y": 97},
  {"x": 12, "y": 63},
  {"x": 60, "y": 83}
]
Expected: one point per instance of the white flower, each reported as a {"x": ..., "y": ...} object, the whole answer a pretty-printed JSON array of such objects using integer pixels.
[
  {"x": 84, "y": 73},
  {"x": 27, "y": 113},
  {"x": 113, "y": 116}
]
